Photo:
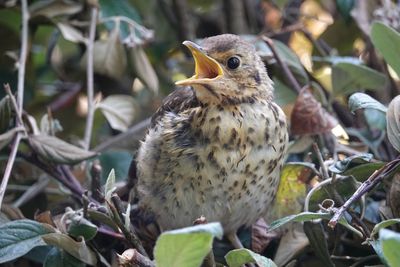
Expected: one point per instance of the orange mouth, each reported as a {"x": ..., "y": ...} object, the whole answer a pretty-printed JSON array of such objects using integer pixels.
[{"x": 207, "y": 69}]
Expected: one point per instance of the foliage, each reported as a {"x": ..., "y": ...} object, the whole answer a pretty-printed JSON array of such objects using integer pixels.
[{"x": 75, "y": 107}]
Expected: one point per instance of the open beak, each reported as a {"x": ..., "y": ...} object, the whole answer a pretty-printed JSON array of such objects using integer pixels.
[{"x": 206, "y": 69}]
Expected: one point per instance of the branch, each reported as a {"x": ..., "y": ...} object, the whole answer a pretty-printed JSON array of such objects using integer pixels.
[
  {"x": 14, "y": 145},
  {"x": 23, "y": 55},
  {"x": 365, "y": 187},
  {"x": 130, "y": 234},
  {"x": 89, "y": 78},
  {"x": 20, "y": 95},
  {"x": 131, "y": 133},
  {"x": 284, "y": 66}
]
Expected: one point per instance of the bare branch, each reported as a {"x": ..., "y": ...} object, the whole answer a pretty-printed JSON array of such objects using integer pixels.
[
  {"x": 89, "y": 78},
  {"x": 284, "y": 66},
  {"x": 23, "y": 55}
]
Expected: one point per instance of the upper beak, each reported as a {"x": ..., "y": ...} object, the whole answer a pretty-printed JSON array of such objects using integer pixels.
[{"x": 206, "y": 68}]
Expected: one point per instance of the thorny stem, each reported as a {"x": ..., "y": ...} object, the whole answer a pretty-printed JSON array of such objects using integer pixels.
[
  {"x": 89, "y": 78},
  {"x": 365, "y": 187},
  {"x": 286, "y": 70}
]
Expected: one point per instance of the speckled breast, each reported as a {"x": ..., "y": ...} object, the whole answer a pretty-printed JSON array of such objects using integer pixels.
[{"x": 219, "y": 162}]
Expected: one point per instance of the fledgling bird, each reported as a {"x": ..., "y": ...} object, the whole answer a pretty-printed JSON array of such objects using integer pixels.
[{"x": 216, "y": 146}]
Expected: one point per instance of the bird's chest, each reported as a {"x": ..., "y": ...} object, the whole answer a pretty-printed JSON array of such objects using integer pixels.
[{"x": 236, "y": 148}]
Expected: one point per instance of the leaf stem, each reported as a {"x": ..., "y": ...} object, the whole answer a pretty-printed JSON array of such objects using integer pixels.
[{"x": 90, "y": 78}]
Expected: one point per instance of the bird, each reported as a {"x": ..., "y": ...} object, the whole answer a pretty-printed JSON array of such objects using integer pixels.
[{"x": 216, "y": 145}]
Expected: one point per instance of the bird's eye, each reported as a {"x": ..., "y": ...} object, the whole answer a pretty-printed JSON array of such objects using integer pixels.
[{"x": 233, "y": 63}]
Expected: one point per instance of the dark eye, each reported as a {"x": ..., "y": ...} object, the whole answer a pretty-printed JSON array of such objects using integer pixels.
[{"x": 233, "y": 63}]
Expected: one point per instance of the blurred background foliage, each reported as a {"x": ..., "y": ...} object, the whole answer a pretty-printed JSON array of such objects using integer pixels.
[{"x": 329, "y": 46}]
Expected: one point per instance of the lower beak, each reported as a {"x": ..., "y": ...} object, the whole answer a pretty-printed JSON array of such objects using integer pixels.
[{"x": 207, "y": 69}]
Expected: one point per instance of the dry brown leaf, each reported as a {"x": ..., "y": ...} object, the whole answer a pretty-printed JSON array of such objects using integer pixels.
[
  {"x": 309, "y": 117},
  {"x": 45, "y": 217},
  {"x": 260, "y": 238}
]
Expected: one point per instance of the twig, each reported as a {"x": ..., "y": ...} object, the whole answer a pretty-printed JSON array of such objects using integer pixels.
[
  {"x": 14, "y": 145},
  {"x": 23, "y": 55},
  {"x": 95, "y": 173},
  {"x": 365, "y": 187},
  {"x": 32, "y": 191},
  {"x": 129, "y": 234},
  {"x": 325, "y": 174},
  {"x": 132, "y": 257},
  {"x": 10, "y": 163},
  {"x": 284, "y": 66},
  {"x": 89, "y": 77},
  {"x": 131, "y": 133}
]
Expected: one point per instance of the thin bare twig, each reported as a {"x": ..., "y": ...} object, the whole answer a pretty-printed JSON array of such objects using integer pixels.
[
  {"x": 23, "y": 55},
  {"x": 365, "y": 187},
  {"x": 131, "y": 133},
  {"x": 10, "y": 163},
  {"x": 324, "y": 171},
  {"x": 20, "y": 95},
  {"x": 130, "y": 234},
  {"x": 90, "y": 78},
  {"x": 14, "y": 145},
  {"x": 284, "y": 66}
]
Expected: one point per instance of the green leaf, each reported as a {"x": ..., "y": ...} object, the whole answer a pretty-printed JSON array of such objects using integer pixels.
[
  {"x": 143, "y": 69},
  {"x": 363, "y": 171},
  {"x": 292, "y": 60},
  {"x": 283, "y": 94},
  {"x": 70, "y": 33},
  {"x": 377, "y": 246},
  {"x": 390, "y": 242},
  {"x": 109, "y": 56},
  {"x": 80, "y": 226},
  {"x": 382, "y": 225},
  {"x": 239, "y": 257},
  {"x": 119, "y": 111},
  {"x": 376, "y": 119},
  {"x": 336, "y": 59},
  {"x": 309, "y": 216},
  {"x": 316, "y": 235},
  {"x": 54, "y": 8},
  {"x": 345, "y": 7},
  {"x": 5, "y": 113},
  {"x": 347, "y": 78},
  {"x": 350, "y": 162},
  {"x": 187, "y": 246},
  {"x": 59, "y": 258},
  {"x": 56, "y": 150},
  {"x": 292, "y": 188},
  {"x": 18, "y": 237},
  {"x": 117, "y": 160},
  {"x": 387, "y": 41},
  {"x": 111, "y": 8},
  {"x": 393, "y": 122},
  {"x": 361, "y": 100},
  {"x": 344, "y": 185},
  {"x": 281, "y": 3},
  {"x": 110, "y": 185},
  {"x": 78, "y": 249}
]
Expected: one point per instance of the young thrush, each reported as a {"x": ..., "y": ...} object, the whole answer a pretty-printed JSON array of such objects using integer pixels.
[{"x": 215, "y": 147}]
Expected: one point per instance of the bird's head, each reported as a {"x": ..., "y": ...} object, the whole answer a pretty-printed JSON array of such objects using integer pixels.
[{"x": 227, "y": 71}]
